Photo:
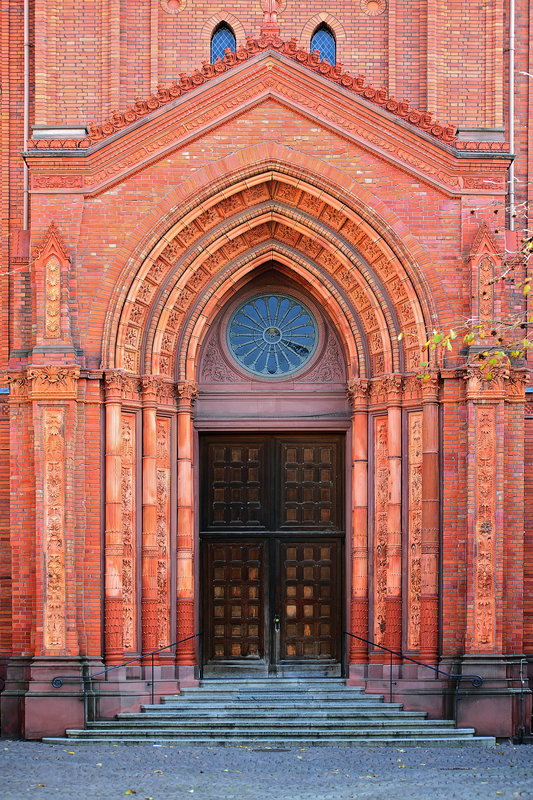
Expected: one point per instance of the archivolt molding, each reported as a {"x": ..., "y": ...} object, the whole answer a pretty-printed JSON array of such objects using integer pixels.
[
  {"x": 266, "y": 162},
  {"x": 348, "y": 239},
  {"x": 343, "y": 247}
]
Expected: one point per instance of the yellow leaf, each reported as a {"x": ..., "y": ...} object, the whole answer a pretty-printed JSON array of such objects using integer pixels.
[
  {"x": 400, "y": 337},
  {"x": 130, "y": 791}
]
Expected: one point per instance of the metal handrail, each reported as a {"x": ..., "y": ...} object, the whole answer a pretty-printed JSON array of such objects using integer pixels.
[
  {"x": 59, "y": 680},
  {"x": 522, "y": 729},
  {"x": 477, "y": 680}
]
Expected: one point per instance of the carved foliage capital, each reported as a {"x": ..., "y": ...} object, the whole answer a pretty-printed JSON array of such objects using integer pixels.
[
  {"x": 18, "y": 385},
  {"x": 186, "y": 393},
  {"x": 358, "y": 390},
  {"x": 478, "y": 386},
  {"x": 393, "y": 385},
  {"x": 516, "y": 388},
  {"x": 115, "y": 384},
  {"x": 53, "y": 381},
  {"x": 430, "y": 385}
]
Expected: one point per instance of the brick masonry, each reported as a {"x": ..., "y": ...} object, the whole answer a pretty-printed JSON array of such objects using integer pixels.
[{"x": 377, "y": 187}]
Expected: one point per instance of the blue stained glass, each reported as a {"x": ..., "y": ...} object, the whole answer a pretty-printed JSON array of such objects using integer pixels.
[
  {"x": 222, "y": 38},
  {"x": 324, "y": 41},
  {"x": 272, "y": 335}
]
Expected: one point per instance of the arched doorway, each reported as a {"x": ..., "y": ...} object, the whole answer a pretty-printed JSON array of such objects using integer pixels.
[{"x": 271, "y": 419}]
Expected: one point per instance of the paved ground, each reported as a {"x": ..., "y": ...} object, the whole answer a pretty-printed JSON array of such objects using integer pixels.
[{"x": 145, "y": 772}]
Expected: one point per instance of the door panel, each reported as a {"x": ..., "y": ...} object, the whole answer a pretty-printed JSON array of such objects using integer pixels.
[
  {"x": 236, "y": 478},
  {"x": 311, "y": 480},
  {"x": 271, "y": 530},
  {"x": 235, "y": 608},
  {"x": 309, "y": 600}
]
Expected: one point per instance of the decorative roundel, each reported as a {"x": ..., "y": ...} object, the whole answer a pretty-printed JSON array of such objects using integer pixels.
[
  {"x": 272, "y": 335},
  {"x": 373, "y": 7}
]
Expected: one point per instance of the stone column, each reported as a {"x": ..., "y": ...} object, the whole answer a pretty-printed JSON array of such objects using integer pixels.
[
  {"x": 393, "y": 636},
  {"x": 149, "y": 515},
  {"x": 429, "y": 594},
  {"x": 186, "y": 392},
  {"x": 113, "y": 645},
  {"x": 358, "y": 390}
]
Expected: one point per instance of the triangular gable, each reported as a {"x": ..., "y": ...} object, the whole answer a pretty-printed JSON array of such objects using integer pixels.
[{"x": 313, "y": 89}]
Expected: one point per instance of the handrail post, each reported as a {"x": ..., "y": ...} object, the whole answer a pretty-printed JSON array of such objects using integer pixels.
[
  {"x": 152, "y": 678},
  {"x": 390, "y": 678}
]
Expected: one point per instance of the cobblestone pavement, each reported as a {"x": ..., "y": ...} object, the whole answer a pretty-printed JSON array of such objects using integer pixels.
[{"x": 145, "y": 772}]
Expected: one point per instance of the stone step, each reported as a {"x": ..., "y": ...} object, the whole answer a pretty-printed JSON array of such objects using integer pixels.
[
  {"x": 331, "y": 725},
  {"x": 152, "y": 712},
  {"x": 418, "y": 740},
  {"x": 274, "y": 713}
]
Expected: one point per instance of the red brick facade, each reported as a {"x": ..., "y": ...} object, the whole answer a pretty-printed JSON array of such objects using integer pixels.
[{"x": 160, "y": 189}]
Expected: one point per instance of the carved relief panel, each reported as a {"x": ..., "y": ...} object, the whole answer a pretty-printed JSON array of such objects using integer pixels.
[
  {"x": 163, "y": 532},
  {"x": 485, "y": 528},
  {"x": 381, "y": 506},
  {"x": 54, "y": 634},
  {"x": 414, "y": 547},
  {"x": 129, "y": 529}
]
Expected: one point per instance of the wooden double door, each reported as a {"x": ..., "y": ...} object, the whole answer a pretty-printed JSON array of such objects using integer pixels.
[{"x": 272, "y": 552}]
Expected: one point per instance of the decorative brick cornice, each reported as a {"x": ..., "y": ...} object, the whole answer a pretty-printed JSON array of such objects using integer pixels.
[{"x": 269, "y": 40}]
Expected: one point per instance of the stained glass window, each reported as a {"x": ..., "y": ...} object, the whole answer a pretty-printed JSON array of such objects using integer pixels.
[
  {"x": 272, "y": 335},
  {"x": 223, "y": 37},
  {"x": 324, "y": 41}
]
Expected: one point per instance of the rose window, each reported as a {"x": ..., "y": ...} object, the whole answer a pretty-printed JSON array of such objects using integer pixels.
[{"x": 272, "y": 335}]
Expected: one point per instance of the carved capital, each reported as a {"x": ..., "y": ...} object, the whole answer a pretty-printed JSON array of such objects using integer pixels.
[
  {"x": 53, "y": 382},
  {"x": 393, "y": 385},
  {"x": 115, "y": 384},
  {"x": 430, "y": 385},
  {"x": 516, "y": 388},
  {"x": 477, "y": 385},
  {"x": 150, "y": 388},
  {"x": 358, "y": 390},
  {"x": 18, "y": 385},
  {"x": 186, "y": 393}
]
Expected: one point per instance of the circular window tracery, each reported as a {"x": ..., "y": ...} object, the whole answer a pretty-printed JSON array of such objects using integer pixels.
[{"x": 272, "y": 335}]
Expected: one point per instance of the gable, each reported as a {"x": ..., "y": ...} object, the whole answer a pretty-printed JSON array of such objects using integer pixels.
[{"x": 151, "y": 130}]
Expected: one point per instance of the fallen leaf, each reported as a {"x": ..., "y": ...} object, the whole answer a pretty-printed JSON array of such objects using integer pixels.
[
  {"x": 98, "y": 765},
  {"x": 130, "y": 791},
  {"x": 158, "y": 771}
]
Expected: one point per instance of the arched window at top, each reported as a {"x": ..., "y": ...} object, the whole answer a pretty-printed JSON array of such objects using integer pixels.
[
  {"x": 324, "y": 41},
  {"x": 222, "y": 38}
]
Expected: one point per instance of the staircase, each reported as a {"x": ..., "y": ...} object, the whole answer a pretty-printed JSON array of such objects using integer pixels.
[{"x": 281, "y": 712}]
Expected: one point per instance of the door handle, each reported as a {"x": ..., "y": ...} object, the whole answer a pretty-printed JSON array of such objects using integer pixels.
[{"x": 277, "y": 622}]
